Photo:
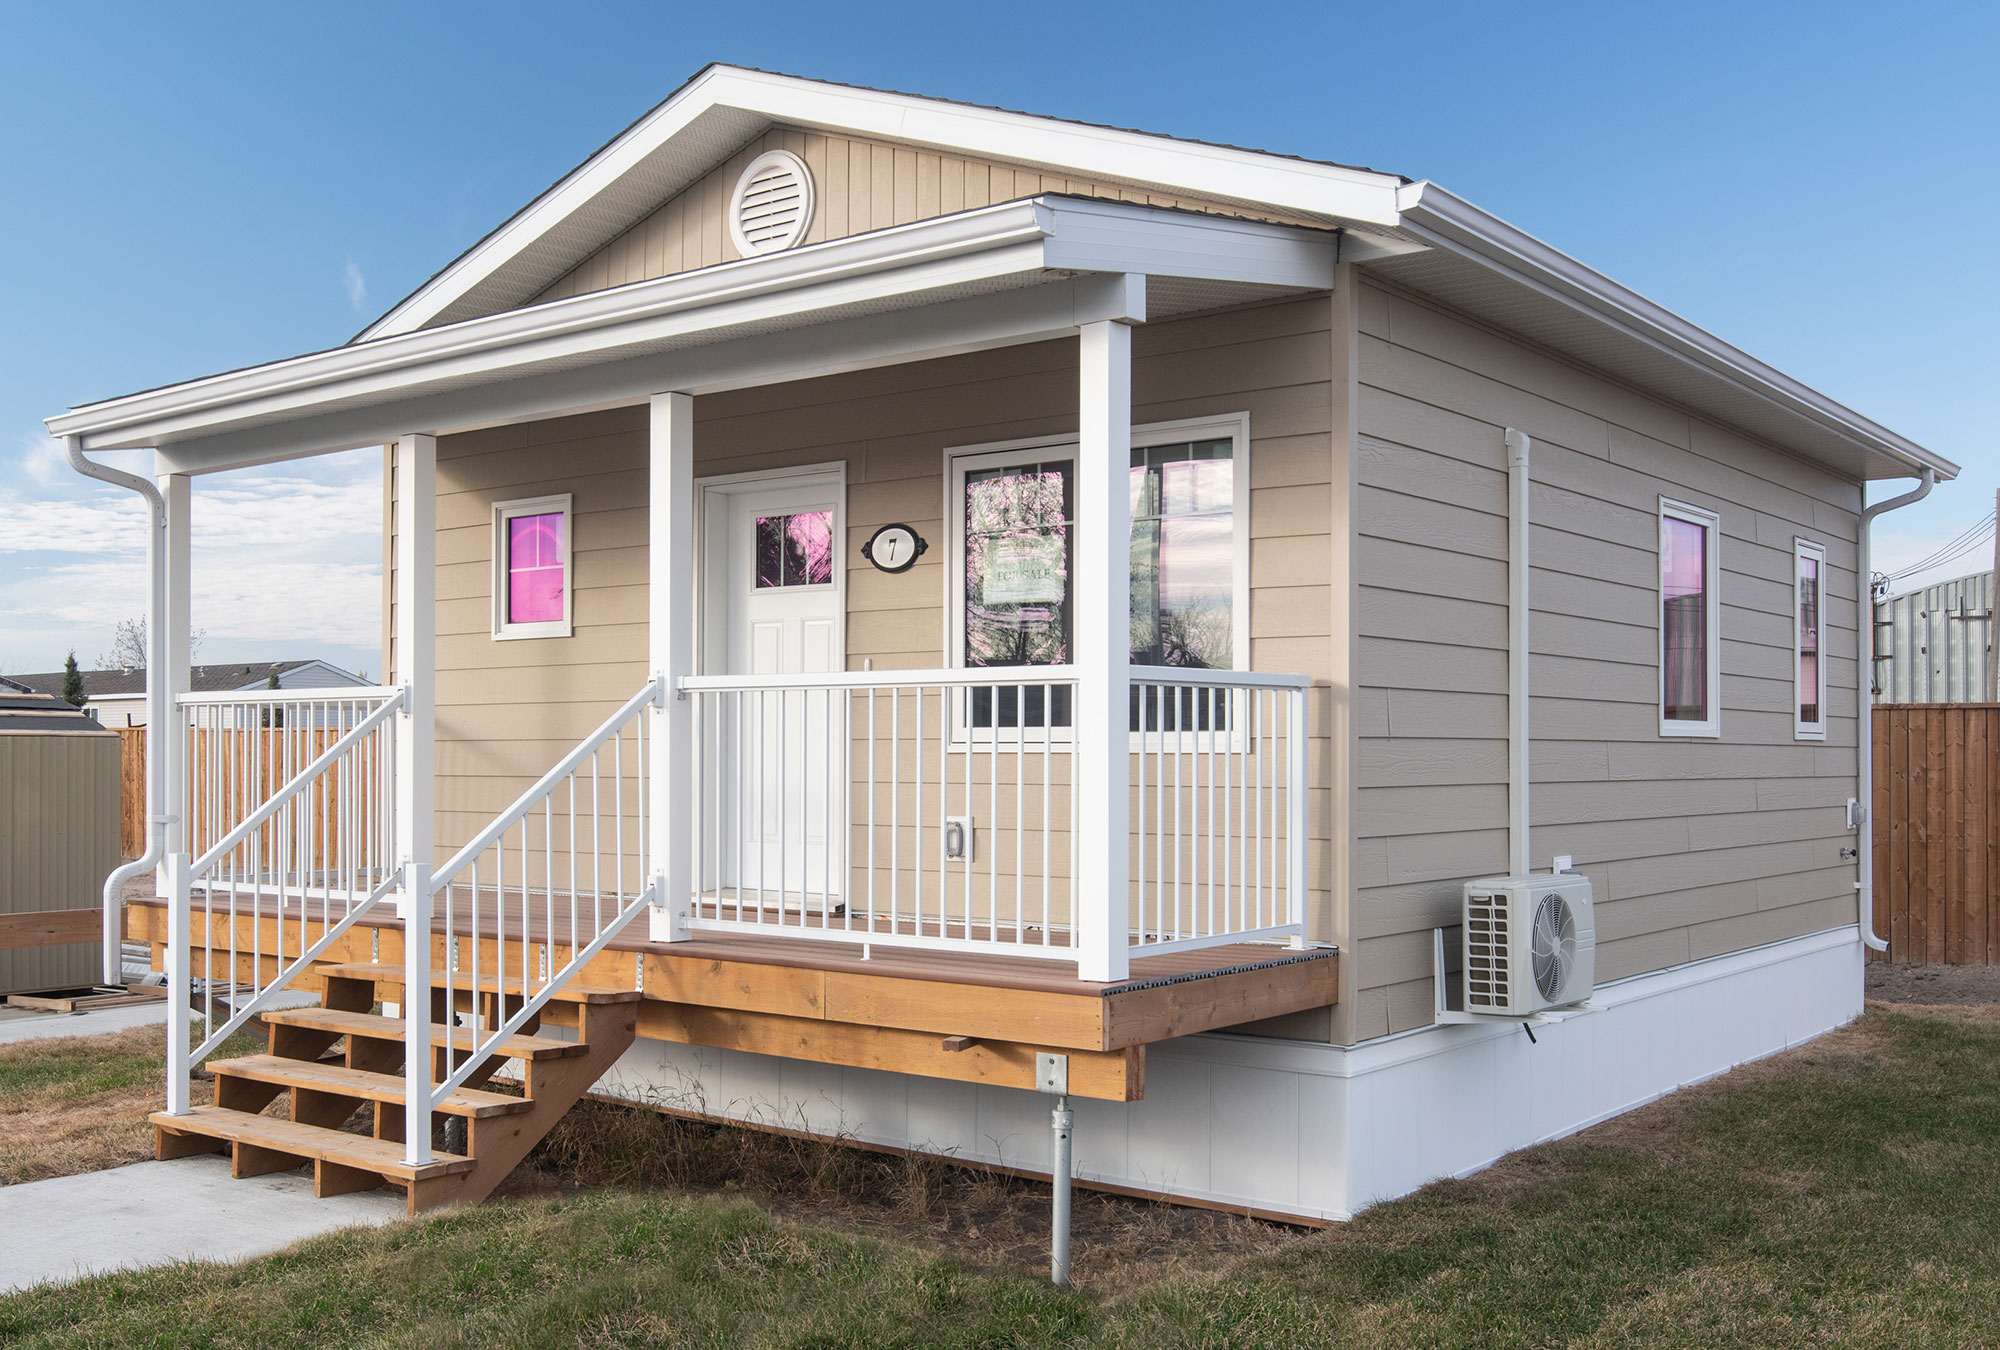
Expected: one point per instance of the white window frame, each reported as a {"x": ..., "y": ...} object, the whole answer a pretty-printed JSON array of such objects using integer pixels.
[
  {"x": 1233, "y": 427},
  {"x": 1712, "y": 618},
  {"x": 1802, "y": 549},
  {"x": 505, "y": 630}
]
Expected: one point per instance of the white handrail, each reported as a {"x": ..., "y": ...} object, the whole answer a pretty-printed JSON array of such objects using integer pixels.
[
  {"x": 526, "y": 802},
  {"x": 290, "y": 789},
  {"x": 975, "y": 677},
  {"x": 329, "y": 693}
]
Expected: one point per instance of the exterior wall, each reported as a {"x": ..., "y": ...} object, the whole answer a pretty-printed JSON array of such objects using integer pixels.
[
  {"x": 508, "y": 710},
  {"x": 1694, "y": 847},
  {"x": 1309, "y": 1130},
  {"x": 59, "y": 819},
  {"x": 859, "y": 185}
]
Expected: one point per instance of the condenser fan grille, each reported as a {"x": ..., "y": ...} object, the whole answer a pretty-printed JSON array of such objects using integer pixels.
[{"x": 1552, "y": 945}]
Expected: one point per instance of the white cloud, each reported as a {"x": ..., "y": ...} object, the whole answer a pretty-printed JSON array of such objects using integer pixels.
[
  {"x": 357, "y": 286},
  {"x": 41, "y": 459}
]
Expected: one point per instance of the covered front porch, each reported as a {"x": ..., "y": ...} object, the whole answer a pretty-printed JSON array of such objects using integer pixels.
[{"x": 938, "y": 868}]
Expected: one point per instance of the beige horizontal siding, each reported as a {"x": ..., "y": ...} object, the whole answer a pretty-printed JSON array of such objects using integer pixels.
[
  {"x": 1694, "y": 847},
  {"x": 859, "y": 185}
]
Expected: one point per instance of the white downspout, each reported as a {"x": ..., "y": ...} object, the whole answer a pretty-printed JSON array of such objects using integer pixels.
[
  {"x": 1517, "y": 651},
  {"x": 1864, "y": 735},
  {"x": 157, "y": 707}
]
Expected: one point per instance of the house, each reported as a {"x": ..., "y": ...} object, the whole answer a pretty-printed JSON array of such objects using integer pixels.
[
  {"x": 117, "y": 698},
  {"x": 896, "y": 605}
]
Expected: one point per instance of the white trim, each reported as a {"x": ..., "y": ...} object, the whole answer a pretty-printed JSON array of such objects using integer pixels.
[
  {"x": 1802, "y": 730},
  {"x": 1711, "y": 618},
  {"x": 505, "y": 629},
  {"x": 1330, "y": 191}
]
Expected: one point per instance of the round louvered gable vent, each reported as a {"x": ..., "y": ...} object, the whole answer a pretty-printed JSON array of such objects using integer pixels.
[{"x": 772, "y": 205}]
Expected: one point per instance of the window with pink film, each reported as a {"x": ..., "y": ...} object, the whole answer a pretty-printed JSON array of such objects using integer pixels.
[
  {"x": 535, "y": 560},
  {"x": 1684, "y": 620},
  {"x": 1809, "y": 710},
  {"x": 795, "y": 550}
]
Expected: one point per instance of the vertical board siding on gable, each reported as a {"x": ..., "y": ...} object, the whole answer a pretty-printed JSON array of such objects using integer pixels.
[
  {"x": 1693, "y": 847},
  {"x": 508, "y": 710},
  {"x": 858, "y": 185}
]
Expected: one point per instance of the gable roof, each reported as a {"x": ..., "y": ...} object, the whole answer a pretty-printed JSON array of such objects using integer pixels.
[{"x": 202, "y": 679}]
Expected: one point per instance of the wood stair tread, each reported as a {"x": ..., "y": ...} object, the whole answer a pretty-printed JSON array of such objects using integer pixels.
[
  {"x": 316, "y": 1076},
  {"x": 462, "y": 979},
  {"x": 309, "y": 1141},
  {"x": 391, "y": 1029}
]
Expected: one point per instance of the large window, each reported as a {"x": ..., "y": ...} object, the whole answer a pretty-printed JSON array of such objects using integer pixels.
[
  {"x": 1014, "y": 549},
  {"x": 1809, "y": 668},
  {"x": 1690, "y": 621},
  {"x": 531, "y": 568}
]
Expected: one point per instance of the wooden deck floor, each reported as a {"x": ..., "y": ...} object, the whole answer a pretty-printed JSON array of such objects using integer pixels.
[{"x": 965, "y": 1016}]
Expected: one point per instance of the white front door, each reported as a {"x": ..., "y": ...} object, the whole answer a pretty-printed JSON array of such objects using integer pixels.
[{"x": 774, "y": 598}]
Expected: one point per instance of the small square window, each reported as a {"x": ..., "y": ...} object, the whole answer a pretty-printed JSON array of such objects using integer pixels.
[
  {"x": 532, "y": 554},
  {"x": 794, "y": 550}
]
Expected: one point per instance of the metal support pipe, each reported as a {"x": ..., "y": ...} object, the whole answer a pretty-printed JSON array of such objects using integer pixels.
[
  {"x": 1864, "y": 737},
  {"x": 1063, "y": 1121},
  {"x": 159, "y": 707}
]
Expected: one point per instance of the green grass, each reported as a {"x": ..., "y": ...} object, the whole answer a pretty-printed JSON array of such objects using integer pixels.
[{"x": 1845, "y": 1194}]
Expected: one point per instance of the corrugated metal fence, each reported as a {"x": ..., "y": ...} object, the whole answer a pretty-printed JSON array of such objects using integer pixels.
[
  {"x": 1937, "y": 832},
  {"x": 1935, "y": 645}
]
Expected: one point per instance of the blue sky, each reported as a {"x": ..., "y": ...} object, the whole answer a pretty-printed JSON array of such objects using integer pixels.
[{"x": 192, "y": 188}]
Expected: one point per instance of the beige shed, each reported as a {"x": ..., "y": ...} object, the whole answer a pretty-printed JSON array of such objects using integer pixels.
[{"x": 58, "y": 841}]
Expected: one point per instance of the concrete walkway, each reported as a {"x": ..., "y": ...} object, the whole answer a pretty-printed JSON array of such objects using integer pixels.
[
  {"x": 153, "y": 1213},
  {"x": 19, "y": 1025}
]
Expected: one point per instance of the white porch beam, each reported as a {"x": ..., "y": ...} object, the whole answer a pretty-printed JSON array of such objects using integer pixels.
[
  {"x": 1101, "y": 649},
  {"x": 1030, "y": 313},
  {"x": 670, "y": 640},
  {"x": 416, "y": 762},
  {"x": 176, "y": 621}
]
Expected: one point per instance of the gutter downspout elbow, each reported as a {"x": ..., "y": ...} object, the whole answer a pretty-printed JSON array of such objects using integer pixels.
[
  {"x": 156, "y": 701},
  {"x": 1864, "y": 724}
]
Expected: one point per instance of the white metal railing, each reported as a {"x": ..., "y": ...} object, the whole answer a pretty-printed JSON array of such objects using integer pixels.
[
  {"x": 934, "y": 808},
  {"x": 565, "y": 868},
  {"x": 1219, "y": 785},
  {"x": 301, "y": 856}
]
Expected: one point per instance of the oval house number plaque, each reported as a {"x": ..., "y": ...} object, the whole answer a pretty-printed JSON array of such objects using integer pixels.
[{"x": 894, "y": 548}]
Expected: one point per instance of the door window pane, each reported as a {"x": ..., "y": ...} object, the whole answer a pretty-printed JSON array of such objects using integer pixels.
[
  {"x": 535, "y": 568},
  {"x": 794, "y": 550},
  {"x": 1684, "y": 619}
]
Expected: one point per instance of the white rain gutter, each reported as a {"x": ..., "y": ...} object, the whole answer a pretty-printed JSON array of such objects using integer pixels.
[
  {"x": 158, "y": 705},
  {"x": 1517, "y": 652},
  {"x": 1864, "y": 737}
]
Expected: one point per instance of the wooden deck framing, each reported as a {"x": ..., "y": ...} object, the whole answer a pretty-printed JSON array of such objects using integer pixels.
[{"x": 972, "y": 1018}]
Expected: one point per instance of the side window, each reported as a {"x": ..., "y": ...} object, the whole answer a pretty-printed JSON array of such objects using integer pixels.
[
  {"x": 1809, "y": 667},
  {"x": 532, "y": 554},
  {"x": 1690, "y": 621}
]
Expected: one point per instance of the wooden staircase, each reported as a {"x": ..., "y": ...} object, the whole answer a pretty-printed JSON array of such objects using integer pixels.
[{"x": 345, "y": 1115}]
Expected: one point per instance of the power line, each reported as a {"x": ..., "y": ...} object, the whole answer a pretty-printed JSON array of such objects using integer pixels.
[{"x": 1972, "y": 538}]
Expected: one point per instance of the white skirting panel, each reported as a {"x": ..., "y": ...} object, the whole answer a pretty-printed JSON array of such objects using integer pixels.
[{"x": 1318, "y": 1131}]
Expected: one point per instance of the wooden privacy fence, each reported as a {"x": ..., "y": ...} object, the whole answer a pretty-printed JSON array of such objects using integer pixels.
[
  {"x": 233, "y": 772},
  {"x": 1936, "y": 818}
]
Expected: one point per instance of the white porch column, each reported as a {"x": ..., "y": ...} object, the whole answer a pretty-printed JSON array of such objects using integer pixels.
[
  {"x": 1101, "y": 650},
  {"x": 169, "y": 796},
  {"x": 416, "y": 756},
  {"x": 670, "y": 636}
]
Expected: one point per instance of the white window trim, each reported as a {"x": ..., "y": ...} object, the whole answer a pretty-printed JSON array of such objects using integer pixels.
[
  {"x": 1712, "y": 585},
  {"x": 1802, "y": 549},
  {"x": 1234, "y": 427},
  {"x": 503, "y": 629}
]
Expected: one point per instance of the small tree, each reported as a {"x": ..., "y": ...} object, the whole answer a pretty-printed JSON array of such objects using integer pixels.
[
  {"x": 129, "y": 649},
  {"x": 72, "y": 690}
]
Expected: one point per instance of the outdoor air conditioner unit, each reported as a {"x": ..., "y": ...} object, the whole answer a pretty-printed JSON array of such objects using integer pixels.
[{"x": 1530, "y": 943}]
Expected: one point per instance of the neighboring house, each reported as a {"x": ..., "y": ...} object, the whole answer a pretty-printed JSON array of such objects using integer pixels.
[
  {"x": 1042, "y": 589},
  {"x": 117, "y": 698},
  {"x": 1935, "y": 644}
]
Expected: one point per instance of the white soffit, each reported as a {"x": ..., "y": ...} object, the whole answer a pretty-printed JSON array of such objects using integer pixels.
[{"x": 722, "y": 108}]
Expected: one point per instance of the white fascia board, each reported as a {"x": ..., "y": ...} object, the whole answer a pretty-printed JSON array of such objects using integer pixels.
[
  {"x": 1088, "y": 236},
  {"x": 1332, "y": 191},
  {"x": 1031, "y": 313},
  {"x": 1451, "y": 222},
  {"x": 983, "y": 243}
]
